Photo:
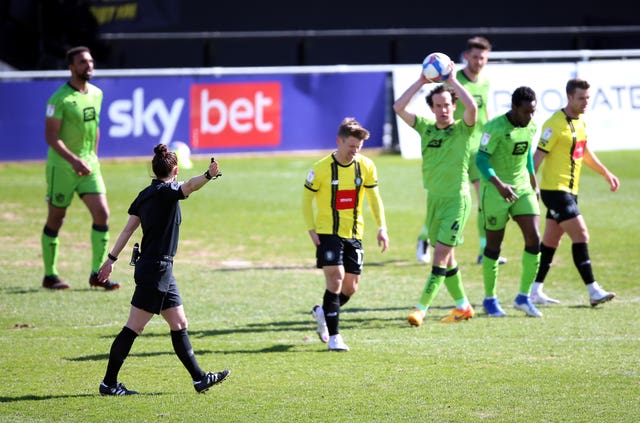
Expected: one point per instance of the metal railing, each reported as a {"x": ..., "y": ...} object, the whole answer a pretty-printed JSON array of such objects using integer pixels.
[{"x": 391, "y": 40}]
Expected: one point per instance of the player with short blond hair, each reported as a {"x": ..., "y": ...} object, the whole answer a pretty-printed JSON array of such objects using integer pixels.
[{"x": 337, "y": 184}]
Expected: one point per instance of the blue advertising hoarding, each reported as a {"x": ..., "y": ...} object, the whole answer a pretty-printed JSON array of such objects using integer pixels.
[{"x": 213, "y": 114}]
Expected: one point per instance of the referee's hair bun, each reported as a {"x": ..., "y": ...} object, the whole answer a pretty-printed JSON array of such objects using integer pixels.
[{"x": 160, "y": 149}]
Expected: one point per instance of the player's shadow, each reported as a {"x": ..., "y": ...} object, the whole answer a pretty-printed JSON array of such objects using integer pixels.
[
  {"x": 276, "y": 348},
  {"x": 46, "y": 397},
  {"x": 16, "y": 290},
  {"x": 252, "y": 267}
]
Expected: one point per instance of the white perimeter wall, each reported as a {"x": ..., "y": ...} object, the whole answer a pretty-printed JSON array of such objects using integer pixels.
[{"x": 613, "y": 115}]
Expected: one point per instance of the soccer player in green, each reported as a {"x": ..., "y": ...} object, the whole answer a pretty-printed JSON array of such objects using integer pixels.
[
  {"x": 72, "y": 133},
  {"x": 509, "y": 188},
  {"x": 476, "y": 56},
  {"x": 445, "y": 171}
]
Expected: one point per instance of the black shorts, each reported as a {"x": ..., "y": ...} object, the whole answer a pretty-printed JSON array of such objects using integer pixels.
[
  {"x": 156, "y": 288},
  {"x": 154, "y": 301},
  {"x": 336, "y": 251},
  {"x": 560, "y": 205}
]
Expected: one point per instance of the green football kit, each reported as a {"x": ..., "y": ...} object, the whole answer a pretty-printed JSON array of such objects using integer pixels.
[
  {"x": 505, "y": 152},
  {"x": 80, "y": 116},
  {"x": 445, "y": 175},
  {"x": 479, "y": 90}
]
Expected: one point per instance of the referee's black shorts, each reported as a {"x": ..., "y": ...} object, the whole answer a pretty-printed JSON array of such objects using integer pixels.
[{"x": 156, "y": 287}]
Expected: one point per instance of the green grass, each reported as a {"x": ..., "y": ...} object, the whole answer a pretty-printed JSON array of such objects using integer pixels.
[{"x": 246, "y": 271}]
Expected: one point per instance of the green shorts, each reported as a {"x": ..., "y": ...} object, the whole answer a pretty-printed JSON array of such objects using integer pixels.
[
  {"x": 496, "y": 210},
  {"x": 446, "y": 218},
  {"x": 63, "y": 181},
  {"x": 474, "y": 172}
]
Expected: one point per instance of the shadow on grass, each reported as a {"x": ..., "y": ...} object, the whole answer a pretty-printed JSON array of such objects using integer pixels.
[
  {"x": 56, "y": 396},
  {"x": 251, "y": 267},
  {"x": 16, "y": 290},
  {"x": 277, "y": 348}
]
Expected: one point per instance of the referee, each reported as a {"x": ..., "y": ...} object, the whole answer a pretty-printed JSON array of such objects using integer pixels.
[{"x": 156, "y": 208}]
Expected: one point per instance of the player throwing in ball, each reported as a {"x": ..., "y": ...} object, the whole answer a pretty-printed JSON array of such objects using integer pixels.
[{"x": 446, "y": 148}]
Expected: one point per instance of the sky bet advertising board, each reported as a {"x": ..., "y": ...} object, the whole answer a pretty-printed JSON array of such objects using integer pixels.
[{"x": 230, "y": 114}]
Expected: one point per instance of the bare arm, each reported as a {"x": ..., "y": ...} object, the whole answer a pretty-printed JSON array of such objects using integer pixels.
[
  {"x": 538, "y": 157},
  {"x": 199, "y": 181},
  {"x": 591, "y": 160},
  {"x": 97, "y": 139},
  {"x": 51, "y": 131},
  {"x": 470, "y": 116},
  {"x": 121, "y": 242},
  {"x": 400, "y": 105}
]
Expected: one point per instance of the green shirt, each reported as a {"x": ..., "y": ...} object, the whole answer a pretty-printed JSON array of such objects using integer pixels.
[
  {"x": 445, "y": 157},
  {"x": 480, "y": 92},
  {"x": 80, "y": 116},
  {"x": 509, "y": 150}
]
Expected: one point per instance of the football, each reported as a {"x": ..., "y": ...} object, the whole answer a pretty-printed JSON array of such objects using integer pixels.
[
  {"x": 183, "y": 152},
  {"x": 436, "y": 67}
]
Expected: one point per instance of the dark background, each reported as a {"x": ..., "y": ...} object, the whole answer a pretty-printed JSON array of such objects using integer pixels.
[{"x": 34, "y": 34}]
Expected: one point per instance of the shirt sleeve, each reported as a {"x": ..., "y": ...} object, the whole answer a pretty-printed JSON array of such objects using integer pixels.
[
  {"x": 376, "y": 206},
  {"x": 482, "y": 161},
  {"x": 530, "y": 166},
  {"x": 307, "y": 208}
]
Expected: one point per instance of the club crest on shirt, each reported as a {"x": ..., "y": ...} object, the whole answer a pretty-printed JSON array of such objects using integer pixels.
[
  {"x": 546, "y": 134},
  {"x": 485, "y": 139},
  {"x": 310, "y": 176}
]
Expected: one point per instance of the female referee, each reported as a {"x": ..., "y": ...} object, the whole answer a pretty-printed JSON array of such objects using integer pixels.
[{"x": 156, "y": 208}]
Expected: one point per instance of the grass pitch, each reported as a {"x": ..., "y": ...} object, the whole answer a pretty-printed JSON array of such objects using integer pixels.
[{"x": 246, "y": 271}]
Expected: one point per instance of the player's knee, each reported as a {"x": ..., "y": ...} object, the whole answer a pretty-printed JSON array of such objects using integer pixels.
[
  {"x": 136, "y": 328},
  {"x": 179, "y": 324}
]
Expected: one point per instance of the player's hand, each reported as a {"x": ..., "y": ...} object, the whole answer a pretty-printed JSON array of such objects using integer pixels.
[
  {"x": 424, "y": 80},
  {"x": 105, "y": 271},
  {"x": 314, "y": 237},
  {"x": 452, "y": 73},
  {"x": 81, "y": 167},
  {"x": 508, "y": 193},
  {"x": 383, "y": 239},
  {"x": 214, "y": 169},
  {"x": 614, "y": 183}
]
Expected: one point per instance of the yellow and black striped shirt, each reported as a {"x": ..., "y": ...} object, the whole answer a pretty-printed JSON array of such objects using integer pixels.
[
  {"x": 339, "y": 192},
  {"x": 564, "y": 140}
]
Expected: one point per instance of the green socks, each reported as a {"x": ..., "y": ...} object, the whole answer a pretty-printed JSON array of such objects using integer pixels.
[
  {"x": 50, "y": 247},
  {"x": 431, "y": 288},
  {"x": 490, "y": 276},
  {"x": 530, "y": 263},
  {"x": 99, "y": 246},
  {"x": 453, "y": 282}
]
